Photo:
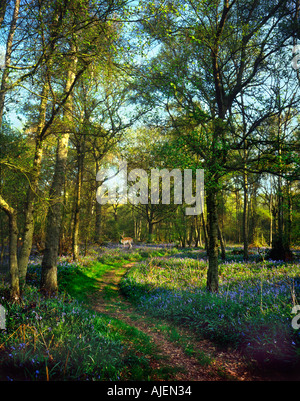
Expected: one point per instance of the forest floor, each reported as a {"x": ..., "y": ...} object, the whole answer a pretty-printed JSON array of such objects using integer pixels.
[
  {"x": 154, "y": 348},
  {"x": 213, "y": 364}
]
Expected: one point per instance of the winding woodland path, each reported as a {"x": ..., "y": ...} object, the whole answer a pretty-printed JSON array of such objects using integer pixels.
[{"x": 224, "y": 366}]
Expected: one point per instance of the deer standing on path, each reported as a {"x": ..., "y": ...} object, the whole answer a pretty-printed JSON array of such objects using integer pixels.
[{"x": 126, "y": 240}]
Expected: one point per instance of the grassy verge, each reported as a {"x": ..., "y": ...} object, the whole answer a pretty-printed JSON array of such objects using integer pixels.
[{"x": 252, "y": 311}]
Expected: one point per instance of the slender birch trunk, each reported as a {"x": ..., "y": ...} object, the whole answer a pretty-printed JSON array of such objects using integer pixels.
[{"x": 48, "y": 282}]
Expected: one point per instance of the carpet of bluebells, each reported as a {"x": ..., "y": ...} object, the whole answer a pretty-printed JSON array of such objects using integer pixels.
[{"x": 252, "y": 310}]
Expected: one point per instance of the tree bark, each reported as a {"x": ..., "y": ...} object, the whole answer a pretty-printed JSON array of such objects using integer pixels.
[
  {"x": 280, "y": 212},
  {"x": 54, "y": 218},
  {"x": 29, "y": 215},
  {"x": 9, "y": 44},
  {"x": 212, "y": 273},
  {"x": 271, "y": 218},
  {"x": 13, "y": 259},
  {"x": 253, "y": 217},
  {"x": 11, "y": 213},
  {"x": 13, "y": 247},
  {"x": 3, "y": 5},
  {"x": 98, "y": 210},
  {"x": 245, "y": 215},
  {"x": 31, "y": 193},
  {"x": 48, "y": 283},
  {"x": 222, "y": 243},
  {"x": 98, "y": 224},
  {"x": 80, "y": 159},
  {"x": 280, "y": 247},
  {"x": 150, "y": 230},
  {"x": 204, "y": 232},
  {"x": 150, "y": 220},
  {"x": 290, "y": 215},
  {"x": 245, "y": 184}
]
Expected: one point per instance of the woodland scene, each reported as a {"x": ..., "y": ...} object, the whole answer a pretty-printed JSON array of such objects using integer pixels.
[{"x": 149, "y": 287}]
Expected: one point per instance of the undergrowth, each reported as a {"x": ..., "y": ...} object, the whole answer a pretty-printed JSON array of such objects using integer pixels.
[{"x": 58, "y": 339}]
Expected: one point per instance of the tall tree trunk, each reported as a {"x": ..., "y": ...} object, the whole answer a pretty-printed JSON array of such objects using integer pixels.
[
  {"x": 9, "y": 44},
  {"x": 280, "y": 212},
  {"x": 253, "y": 218},
  {"x": 222, "y": 243},
  {"x": 149, "y": 216},
  {"x": 98, "y": 223},
  {"x": 150, "y": 230},
  {"x": 271, "y": 218},
  {"x": 204, "y": 231},
  {"x": 212, "y": 273},
  {"x": 13, "y": 247},
  {"x": 237, "y": 209},
  {"x": 289, "y": 219},
  {"x": 245, "y": 215},
  {"x": 280, "y": 250},
  {"x": 245, "y": 184},
  {"x": 31, "y": 193},
  {"x": 192, "y": 232},
  {"x": 279, "y": 247},
  {"x": 198, "y": 241},
  {"x": 54, "y": 218},
  {"x": 13, "y": 259},
  {"x": 98, "y": 210},
  {"x": 80, "y": 159},
  {"x": 48, "y": 283},
  {"x": 3, "y": 5},
  {"x": 11, "y": 213},
  {"x": 87, "y": 225}
]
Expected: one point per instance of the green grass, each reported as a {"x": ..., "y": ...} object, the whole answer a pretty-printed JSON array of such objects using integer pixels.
[
  {"x": 83, "y": 281},
  {"x": 77, "y": 280}
]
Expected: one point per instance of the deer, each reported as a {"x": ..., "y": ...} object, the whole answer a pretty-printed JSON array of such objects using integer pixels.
[{"x": 126, "y": 240}]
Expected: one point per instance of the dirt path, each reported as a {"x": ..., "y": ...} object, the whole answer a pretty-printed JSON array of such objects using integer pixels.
[{"x": 224, "y": 365}]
